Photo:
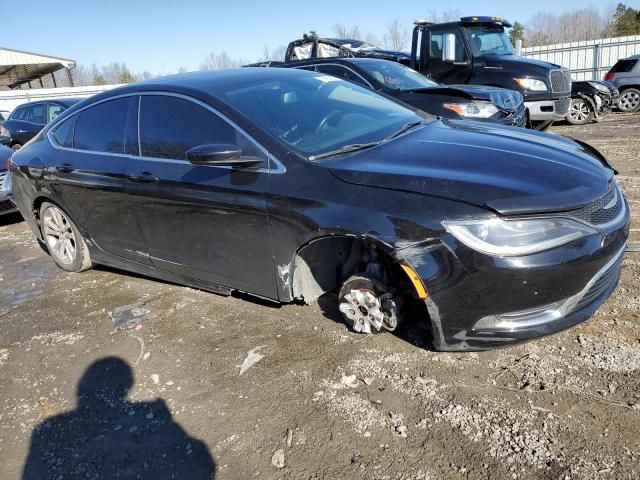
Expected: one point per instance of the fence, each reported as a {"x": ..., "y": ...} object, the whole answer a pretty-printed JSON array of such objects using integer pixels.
[
  {"x": 10, "y": 99},
  {"x": 588, "y": 60}
]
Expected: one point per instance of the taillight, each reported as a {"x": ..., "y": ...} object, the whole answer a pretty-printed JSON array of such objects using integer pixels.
[{"x": 609, "y": 76}]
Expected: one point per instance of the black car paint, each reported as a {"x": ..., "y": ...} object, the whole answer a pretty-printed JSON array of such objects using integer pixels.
[
  {"x": 585, "y": 90},
  {"x": 21, "y": 131},
  {"x": 393, "y": 196},
  {"x": 432, "y": 99}
]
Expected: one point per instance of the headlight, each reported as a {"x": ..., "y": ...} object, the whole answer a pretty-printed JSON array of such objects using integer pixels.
[
  {"x": 532, "y": 84},
  {"x": 496, "y": 236},
  {"x": 600, "y": 87},
  {"x": 473, "y": 109}
]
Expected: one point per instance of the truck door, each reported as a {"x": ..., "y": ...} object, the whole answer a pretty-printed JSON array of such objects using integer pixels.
[{"x": 443, "y": 71}]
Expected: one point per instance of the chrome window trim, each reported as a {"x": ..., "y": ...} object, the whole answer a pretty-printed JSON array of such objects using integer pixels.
[
  {"x": 279, "y": 168},
  {"x": 316, "y": 65}
]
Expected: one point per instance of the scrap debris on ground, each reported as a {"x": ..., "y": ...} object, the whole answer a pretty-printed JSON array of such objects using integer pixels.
[{"x": 289, "y": 392}]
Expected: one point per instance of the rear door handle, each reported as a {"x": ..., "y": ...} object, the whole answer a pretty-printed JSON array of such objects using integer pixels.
[
  {"x": 144, "y": 177},
  {"x": 65, "y": 168}
]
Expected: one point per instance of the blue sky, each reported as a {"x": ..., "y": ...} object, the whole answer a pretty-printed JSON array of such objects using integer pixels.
[{"x": 160, "y": 35}]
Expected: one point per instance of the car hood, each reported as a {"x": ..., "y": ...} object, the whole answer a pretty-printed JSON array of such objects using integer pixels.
[
  {"x": 507, "y": 170},
  {"x": 514, "y": 62},
  {"x": 503, "y": 98}
]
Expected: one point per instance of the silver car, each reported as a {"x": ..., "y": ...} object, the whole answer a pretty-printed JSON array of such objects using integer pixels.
[
  {"x": 6, "y": 205},
  {"x": 625, "y": 75}
]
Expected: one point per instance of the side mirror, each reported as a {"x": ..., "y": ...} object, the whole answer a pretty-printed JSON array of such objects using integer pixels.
[
  {"x": 449, "y": 48},
  {"x": 220, "y": 154}
]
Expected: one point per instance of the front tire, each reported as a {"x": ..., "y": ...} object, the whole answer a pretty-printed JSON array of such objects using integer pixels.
[
  {"x": 580, "y": 112},
  {"x": 629, "y": 100},
  {"x": 63, "y": 239},
  {"x": 366, "y": 305}
]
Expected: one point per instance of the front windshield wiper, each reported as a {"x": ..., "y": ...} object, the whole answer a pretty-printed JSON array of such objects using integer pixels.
[
  {"x": 404, "y": 128},
  {"x": 354, "y": 147}
]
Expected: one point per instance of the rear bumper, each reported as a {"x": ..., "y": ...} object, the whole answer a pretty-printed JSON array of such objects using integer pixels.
[{"x": 545, "y": 110}]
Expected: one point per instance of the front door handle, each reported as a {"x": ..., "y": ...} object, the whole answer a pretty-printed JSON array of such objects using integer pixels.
[
  {"x": 144, "y": 177},
  {"x": 65, "y": 168}
]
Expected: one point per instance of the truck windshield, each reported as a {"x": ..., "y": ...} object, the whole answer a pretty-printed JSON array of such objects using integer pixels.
[
  {"x": 395, "y": 75},
  {"x": 489, "y": 40}
]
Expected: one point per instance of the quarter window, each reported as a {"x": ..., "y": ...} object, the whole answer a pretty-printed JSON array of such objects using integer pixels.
[
  {"x": 169, "y": 126},
  {"x": 63, "y": 133},
  {"x": 101, "y": 128}
]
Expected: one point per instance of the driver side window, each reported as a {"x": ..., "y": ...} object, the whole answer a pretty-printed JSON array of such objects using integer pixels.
[
  {"x": 169, "y": 126},
  {"x": 436, "y": 46}
]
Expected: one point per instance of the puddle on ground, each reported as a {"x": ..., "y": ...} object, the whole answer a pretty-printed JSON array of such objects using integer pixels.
[{"x": 22, "y": 281}]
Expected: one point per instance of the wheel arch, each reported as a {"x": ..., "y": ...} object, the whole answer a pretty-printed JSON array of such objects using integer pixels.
[{"x": 323, "y": 263}]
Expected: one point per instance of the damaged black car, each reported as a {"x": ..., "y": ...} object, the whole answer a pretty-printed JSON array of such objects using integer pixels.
[
  {"x": 591, "y": 101},
  {"x": 470, "y": 102},
  {"x": 290, "y": 184}
]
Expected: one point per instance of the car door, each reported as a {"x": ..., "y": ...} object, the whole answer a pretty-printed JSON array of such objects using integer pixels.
[
  {"x": 29, "y": 123},
  {"x": 202, "y": 221},
  {"x": 457, "y": 72},
  {"x": 90, "y": 174}
]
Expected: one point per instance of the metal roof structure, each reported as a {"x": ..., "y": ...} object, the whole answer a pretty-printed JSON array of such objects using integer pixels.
[{"x": 19, "y": 68}]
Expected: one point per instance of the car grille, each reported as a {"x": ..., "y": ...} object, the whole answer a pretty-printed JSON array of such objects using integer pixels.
[
  {"x": 6, "y": 206},
  {"x": 604, "y": 283},
  {"x": 560, "y": 81},
  {"x": 562, "y": 106},
  {"x": 603, "y": 211}
]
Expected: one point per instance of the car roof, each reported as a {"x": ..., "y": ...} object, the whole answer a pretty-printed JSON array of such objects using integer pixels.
[{"x": 66, "y": 101}]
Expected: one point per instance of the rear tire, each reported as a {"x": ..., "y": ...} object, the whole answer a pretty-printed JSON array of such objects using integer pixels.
[
  {"x": 580, "y": 112},
  {"x": 64, "y": 241},
  {"x": 629, "y": 100}
]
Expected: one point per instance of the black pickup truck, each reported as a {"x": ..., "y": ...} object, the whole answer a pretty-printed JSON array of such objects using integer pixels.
[{"x": 473, "y": 50}]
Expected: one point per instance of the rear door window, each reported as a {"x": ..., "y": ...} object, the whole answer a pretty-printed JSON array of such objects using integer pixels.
[
  {"x": 169, "y": 126},
  {"x": 101, "y": 128},
  {"x": 35, "y": 114},
  {"x": 624, "y": 66}
]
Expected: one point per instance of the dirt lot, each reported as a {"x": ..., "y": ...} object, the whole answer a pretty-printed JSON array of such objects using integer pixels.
[{"x": 319, "y": 401}]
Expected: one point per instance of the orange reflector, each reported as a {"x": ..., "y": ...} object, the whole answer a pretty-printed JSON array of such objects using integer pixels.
[{"x": 415, "y": 279}]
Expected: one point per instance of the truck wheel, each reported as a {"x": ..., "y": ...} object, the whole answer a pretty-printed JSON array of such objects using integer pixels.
[
  {"x": 629, "y": 100},
  {"x": 366, "y": 305},
  {"x": 541, "y": 126},
  {"x": 580, "y": 112}
]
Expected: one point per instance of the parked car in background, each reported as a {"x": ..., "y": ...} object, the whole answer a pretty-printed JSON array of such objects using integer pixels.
[
  {"x": 6, "y": 205},
  {"x": 493, "y": 236},
  {"x": 591, "y": 100},
  {"x": 28, "y": 119},
  {"x": 469, "y": 102},
  {"x": 625, "y": 75}
]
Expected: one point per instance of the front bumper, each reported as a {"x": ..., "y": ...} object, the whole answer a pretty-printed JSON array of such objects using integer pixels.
[
  {"x": 480, "y": 302},
  {"x": 517, "y": 118},
  {"x": 546, "y": 110}
]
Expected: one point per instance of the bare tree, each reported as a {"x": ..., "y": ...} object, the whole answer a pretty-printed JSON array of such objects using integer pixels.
[
  {"x": 448, "y": 15},
  {"x": 343, "y": 32},
  {"x": 275, "y": 54},
  {"x": 584, "y": 24},
  {"x": 396, "y": 37},
  {"x": 219, "y": 61}
]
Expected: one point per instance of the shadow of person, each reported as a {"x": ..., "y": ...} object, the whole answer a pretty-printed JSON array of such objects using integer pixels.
[{"x": 107, "y": 437}]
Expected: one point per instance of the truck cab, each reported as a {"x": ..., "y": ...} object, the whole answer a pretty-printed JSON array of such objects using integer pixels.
[{"x": 478, "y": 50}]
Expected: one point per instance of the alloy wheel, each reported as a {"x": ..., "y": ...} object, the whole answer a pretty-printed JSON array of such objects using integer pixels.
[
  {"x": 629, "y": 101},
  {"x": 580, "y": 111},
  {"x": 59, "y": 236}
]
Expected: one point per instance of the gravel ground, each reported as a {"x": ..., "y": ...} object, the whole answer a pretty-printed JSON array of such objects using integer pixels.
[{"x": 244, "y": 389}]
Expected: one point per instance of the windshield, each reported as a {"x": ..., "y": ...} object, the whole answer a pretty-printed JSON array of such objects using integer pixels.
[
  {"x": 396, "y": 76},
  {"x": 489, "y": 39},
  {"x": 314, "y": 113}
]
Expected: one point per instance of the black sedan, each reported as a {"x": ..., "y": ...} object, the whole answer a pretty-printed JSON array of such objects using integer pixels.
[
  {"x": 28, "y": 119},
  {"x": 471, "y": 102},
  {"x": 289, "y": 184}
]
